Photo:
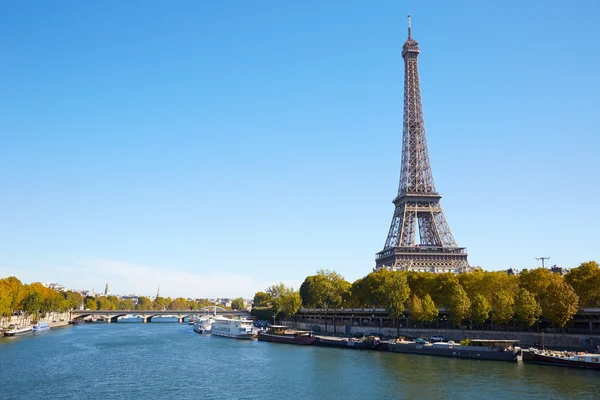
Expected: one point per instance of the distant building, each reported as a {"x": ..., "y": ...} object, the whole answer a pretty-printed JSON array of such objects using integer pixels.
[
  {"x": 55, "y": 286},
  {"x": 559, "y": 270},
  {"x": 512, "y": 271},
  {"x": 106, "y": 290}
]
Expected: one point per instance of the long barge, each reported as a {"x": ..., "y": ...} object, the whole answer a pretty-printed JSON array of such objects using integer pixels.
[
  {"x": 368, "y": 343},
  {"x": 564, "y": 358},
  {"x": 282, "y": 334},
  {"x": 479, "y": 349}
]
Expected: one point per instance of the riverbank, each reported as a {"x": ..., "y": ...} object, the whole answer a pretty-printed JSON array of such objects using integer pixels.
[
  {"x": 559, "y": 341},
  {"x": 54, "y": 319}
]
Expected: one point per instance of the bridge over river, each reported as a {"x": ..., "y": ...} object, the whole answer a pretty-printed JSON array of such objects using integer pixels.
[{"x": 147, "y": 315}]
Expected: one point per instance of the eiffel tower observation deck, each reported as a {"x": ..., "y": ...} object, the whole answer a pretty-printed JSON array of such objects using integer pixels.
[{"x": 419, "y": 238}]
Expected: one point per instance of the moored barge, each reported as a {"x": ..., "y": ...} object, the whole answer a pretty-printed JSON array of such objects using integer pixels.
[
  {"x": 565, "y": 358},
  {"x": 282, "y": 334},
  {"x": 497, "y": 350},
  {"x": 367, "y": 343}
]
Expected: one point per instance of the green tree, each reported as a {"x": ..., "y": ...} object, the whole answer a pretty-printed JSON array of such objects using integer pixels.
[
  {"x": 72, "y": 300},
  {"x": 393, "y": 293},
  {"x": 415, "y": 306},
  {"x": 306, "y": 293},
  {"x": 503, "y": 307},
  {"x": 430, "y": 311},
  {"x": 289, "y": 302},
  {"x": 144, "y": 303},
  {"x": 90, "y": 303},
  {"x": 32, "y": 304},
  {"x": 238, "y": 304},
  {"x": 527, "y": 308},
  {"x": 284, "y": 299},
  {"x": 161, "y": 303},
  {"x": 261, "y": 299},
  {"x": 126, "y": 304},
  {"x": 536, "y": 281},
  {"x": 459, "y": 304},
  {"x": 559, "y": 302},
  {"x": 179, "y": 304},
  {"x": 328, "y": 289},
  {"x": 480, "y": 309},
  {"x": 585, "y": 280}
]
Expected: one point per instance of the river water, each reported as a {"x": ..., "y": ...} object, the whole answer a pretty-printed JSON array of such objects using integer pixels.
[{"x": 169, "y": 361}]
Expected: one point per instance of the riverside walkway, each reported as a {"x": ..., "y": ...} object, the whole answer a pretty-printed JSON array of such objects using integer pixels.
[{"x": 147, "y": 315}]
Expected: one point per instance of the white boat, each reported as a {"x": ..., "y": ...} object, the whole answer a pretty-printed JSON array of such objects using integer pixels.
[
  {"x": 41, "y": 327},
  {"x": 203, "y": 325},
  {"x": 233, "y": 328},
  {"x": 14, "y": 330}
]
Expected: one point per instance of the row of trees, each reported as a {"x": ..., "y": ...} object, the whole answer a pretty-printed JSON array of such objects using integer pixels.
[
  {"x": 475, "y": 297},
  {"x": 37, "y": 300}
]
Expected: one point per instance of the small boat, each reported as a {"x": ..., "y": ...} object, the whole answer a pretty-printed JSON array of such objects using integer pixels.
[
  {"x": 566, "y": 358},
  {"x": 14, "y": 330},
  {"x": 282, "y": 334},
  {"x": 366, "y": 343},
  {"x": 500, "y": 350},
  {"x": 41, "y": 327},
  {"x": 233, "y": 328},
  {"x": 203, "y": 325}
]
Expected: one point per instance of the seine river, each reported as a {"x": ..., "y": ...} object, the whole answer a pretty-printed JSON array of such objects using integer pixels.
[{"x": 169, "y": 361}]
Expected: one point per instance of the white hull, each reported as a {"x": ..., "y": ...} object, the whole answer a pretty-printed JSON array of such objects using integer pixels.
[
  {"x": 233, "y": 328},
  {"x": 18, "y": 331},
  {"x": 233, "y": 335},
  {"x": 203, "y": 326}
]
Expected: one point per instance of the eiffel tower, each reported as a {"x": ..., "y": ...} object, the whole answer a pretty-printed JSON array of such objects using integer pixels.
[{"x": 418, "y": 208}]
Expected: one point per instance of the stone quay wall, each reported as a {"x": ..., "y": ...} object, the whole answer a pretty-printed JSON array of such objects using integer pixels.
[
  {"x": 558, "y": 341},
  {"x": 54, "y": 319}
]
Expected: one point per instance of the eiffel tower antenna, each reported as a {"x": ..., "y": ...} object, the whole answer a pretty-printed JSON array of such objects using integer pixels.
[{"x": 418, "y": 213}]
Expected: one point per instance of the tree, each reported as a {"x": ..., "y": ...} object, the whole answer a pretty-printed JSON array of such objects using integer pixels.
[
  {"x": 459, "y": 304},
  {"x": 144, "y": 303},
  {"x": 480, "y": 309},
  {"x": 32, "y": 304},
  {"x": 585, "y": 280},
  {"x": 284, "y": 299},
  {"x": 90, "y": 304},
  {"x": 327, "y": 289},
  {"x": 502, "y": 307},
  {"x": 179, "y": 304},
  {"x": 536, "y": 281},
  {"x": 430, "y": 311},
  {"x": 238, "y": 304},
  {"x": 14, "y": 291},
  {"x": 526, "y": 307},
  {"x": 559, "y": 302},
  {"x": 416, "y": 308},
  {"x": 306, "y": 292},
  {"x": 393, "y": 293},
  {"x": 261, "y": 299}
]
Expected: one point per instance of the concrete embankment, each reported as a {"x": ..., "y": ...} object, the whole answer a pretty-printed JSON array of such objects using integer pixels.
[
  {"x": 558, "y": 341},
  {"x": 54, "y": 319}
]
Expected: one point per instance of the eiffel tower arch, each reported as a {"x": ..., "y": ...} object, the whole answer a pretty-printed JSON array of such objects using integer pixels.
[{"x": 419, "y": 238}]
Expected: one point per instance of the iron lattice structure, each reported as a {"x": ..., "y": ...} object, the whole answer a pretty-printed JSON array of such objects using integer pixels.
[{"x": 418, "y": 209}]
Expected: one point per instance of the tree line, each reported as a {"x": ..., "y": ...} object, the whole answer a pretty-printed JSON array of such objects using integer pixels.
[
  {"x": 473, "y": 297},
  {"x": 36, "y": 300}
]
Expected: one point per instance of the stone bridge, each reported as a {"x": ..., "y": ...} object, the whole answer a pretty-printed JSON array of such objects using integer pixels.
[{"x": 147, "y": 315}]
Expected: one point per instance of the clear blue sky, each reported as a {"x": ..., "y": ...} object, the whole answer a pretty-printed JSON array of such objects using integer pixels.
[{"x": 215, "y": 148}]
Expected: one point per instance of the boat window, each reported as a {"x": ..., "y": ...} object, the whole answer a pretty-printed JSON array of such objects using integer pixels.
[
  {"x": 581, "y": 358},
  {"x": 595, "y": 359}
]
